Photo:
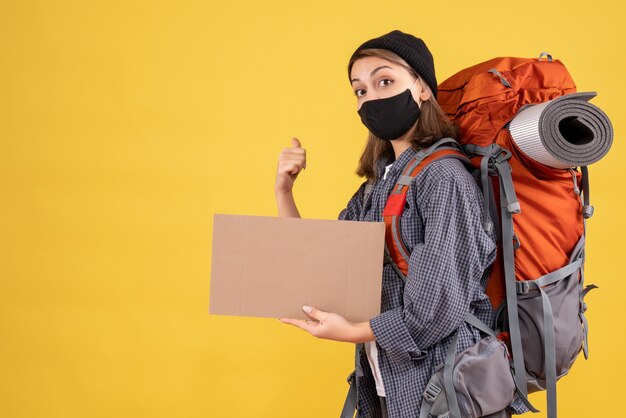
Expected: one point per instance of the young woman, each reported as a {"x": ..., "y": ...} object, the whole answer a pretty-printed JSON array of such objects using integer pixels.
[{"x": 393, "y": 79}]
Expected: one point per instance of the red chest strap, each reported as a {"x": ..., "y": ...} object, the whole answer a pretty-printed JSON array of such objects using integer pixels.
[{"x": 397, "y": 200}]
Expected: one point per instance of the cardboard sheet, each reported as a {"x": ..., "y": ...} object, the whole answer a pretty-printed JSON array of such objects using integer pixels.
[{"x": 271, "y": 267}]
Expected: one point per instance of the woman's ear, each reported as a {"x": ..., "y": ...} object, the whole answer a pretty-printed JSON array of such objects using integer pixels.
[{"x": 426, "y": 93}]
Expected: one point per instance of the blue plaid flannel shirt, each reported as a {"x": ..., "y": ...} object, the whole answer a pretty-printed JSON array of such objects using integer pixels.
[{"x": 448, "y": 268}]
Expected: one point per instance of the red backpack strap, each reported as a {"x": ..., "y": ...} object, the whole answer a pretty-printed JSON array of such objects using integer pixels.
[{"x": 444, "y": 148}]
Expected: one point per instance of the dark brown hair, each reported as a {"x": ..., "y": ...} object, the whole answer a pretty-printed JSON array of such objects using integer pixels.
[{"x": 432, "y": 125}]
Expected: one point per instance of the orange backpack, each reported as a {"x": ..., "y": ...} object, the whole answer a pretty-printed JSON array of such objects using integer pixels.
[
  {"x": 481, "y": 100},
  {"x": 536, "y": 283},
  {"x": 539, "y": 214}
]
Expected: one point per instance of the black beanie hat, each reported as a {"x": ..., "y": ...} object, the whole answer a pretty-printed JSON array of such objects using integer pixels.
[{"x": 413, "y": 50}]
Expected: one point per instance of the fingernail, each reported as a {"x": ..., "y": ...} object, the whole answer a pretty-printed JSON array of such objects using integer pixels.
[{"x": 307, "y": 309}]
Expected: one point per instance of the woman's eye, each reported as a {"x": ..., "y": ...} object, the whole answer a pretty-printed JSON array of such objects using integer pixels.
[
  {"x": 359, "y": 92},
  {"x": 385, "y": 82}
]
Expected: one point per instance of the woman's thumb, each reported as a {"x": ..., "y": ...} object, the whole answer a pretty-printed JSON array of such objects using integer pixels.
[
  {"x": 295, "y": 142},
  {"x": 312, "y": 312}
]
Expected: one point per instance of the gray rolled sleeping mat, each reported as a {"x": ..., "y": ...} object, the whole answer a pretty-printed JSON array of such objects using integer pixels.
[{"x": 565, "y": 132}]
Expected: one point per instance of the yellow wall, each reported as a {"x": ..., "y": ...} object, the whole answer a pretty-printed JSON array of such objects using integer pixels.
[{"x": 125, "y": 125}]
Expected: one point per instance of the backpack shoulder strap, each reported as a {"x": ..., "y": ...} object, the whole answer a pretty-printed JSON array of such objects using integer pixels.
[{"x": 394, "y": 245}]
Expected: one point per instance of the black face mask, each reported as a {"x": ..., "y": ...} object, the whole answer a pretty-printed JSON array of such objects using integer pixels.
[{"x": 392, "y": 117}]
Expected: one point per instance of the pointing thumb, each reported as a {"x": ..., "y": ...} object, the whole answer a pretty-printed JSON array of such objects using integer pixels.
[{"x": 295, "y": 142}]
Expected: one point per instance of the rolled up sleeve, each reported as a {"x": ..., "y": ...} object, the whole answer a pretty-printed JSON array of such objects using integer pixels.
[{"x": 444, "y": 271}]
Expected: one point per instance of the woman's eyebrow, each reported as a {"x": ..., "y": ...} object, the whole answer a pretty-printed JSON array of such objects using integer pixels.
[{"x": 372, "y": 73}]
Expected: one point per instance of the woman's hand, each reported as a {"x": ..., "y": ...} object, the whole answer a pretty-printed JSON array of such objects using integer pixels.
[
  {"x": 290, "y": 162},
  {"x": 332, "y": 326}
]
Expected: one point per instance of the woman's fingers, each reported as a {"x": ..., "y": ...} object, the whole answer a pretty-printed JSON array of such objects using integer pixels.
[
  {"x": 294, "y": 155},
  {"x": 331, "y": 326},
  {"x": 308, "y": 326},
  {"x": 315, "y": 313},
  {"x": 292, "y": 150},
  {"x": 292, "y": 158},
  {"x": 289, "y": 154},
  {"x": 290, "y": 168},
  {"x": 291, "y": 161}
]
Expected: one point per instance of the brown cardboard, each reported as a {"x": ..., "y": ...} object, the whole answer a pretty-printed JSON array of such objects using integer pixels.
[{"x": 271, "y": 267}]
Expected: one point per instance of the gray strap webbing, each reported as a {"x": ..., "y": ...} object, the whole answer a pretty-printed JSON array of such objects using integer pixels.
[
  {"x": 422, "y": 154},
  {"x": 506, "y": 182},
  {"x": 585, "y": 180},
  {"x": 349, "y": 406},
  {"x": 545, "y": 54},
  {"x": 404, "y": 180},
  {"x": 477, "y": 323},
  {"x": 396, "y": 237},
  {"x": 511, "y": 294},
  {"x": 425, "y": 409},
  {"x": 549, "y": 348},
  {"x": 576, "y": 189},
  {"x": 397, "y": 269},
  {"x": 552, "y": 277},
  {"x": 431, "y": 393},
  {"x": 393, "y": 264},
  {"x": 583, "y": 318},
  {"x": 448, "y": 382},
  {"x": 503, "y": 80},
  {"x": 441, "y": 142},
  {"x": 584, "y": 198},
  {"x": 473, "y": 149},
  {"x": 357, "y": 359},
  {"x": 484, "y": 177},
  {"x": 509, "y": 205},
  {"x": 579, "y": 252},
  {"x": 587, "y": 208}
]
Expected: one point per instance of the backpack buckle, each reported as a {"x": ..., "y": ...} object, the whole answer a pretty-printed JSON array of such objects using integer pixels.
[
  {"x": 431, "y": 392},
  {"x": 351, "y": 378},
  {"x": 502, "y": 155},
  {"x": 523, "y": 287}
]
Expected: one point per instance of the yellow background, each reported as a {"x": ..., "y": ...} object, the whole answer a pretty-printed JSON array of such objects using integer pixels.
[{"x": 125, "y": 125}]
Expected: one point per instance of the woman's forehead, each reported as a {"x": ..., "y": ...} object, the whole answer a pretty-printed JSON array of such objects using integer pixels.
[{"x": 363, "y": 67}]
